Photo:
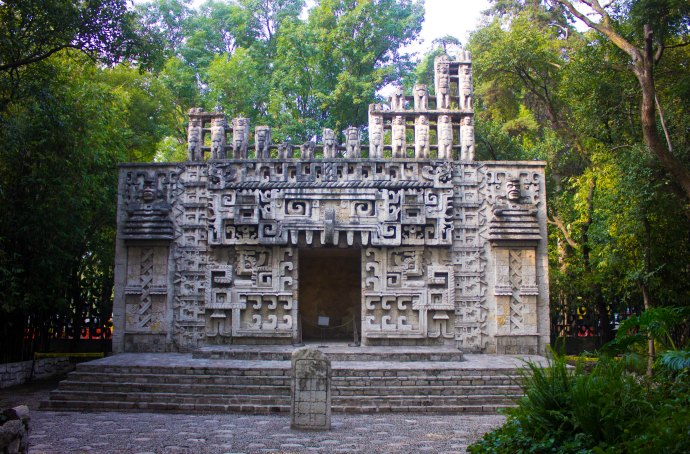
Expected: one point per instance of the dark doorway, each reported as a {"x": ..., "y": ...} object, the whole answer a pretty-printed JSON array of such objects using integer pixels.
[{"x": 330, "y": 286}]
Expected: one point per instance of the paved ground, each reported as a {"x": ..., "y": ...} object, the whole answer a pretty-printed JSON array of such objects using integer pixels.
[
  {"x": 58, "y": 432},
  {"x": 70, "y": 432}
]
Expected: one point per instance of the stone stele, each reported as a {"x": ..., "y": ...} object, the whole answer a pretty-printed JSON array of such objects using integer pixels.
[{"x": 311, "y": 390}]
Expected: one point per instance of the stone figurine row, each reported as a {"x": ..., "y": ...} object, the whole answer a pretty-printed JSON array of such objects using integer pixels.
[
  {"x": 393, "y": 116},
  {"x": 351, "y": 148}
]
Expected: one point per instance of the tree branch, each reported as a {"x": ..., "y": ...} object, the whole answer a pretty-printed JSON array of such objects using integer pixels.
[{"x": 558, "y": 223}]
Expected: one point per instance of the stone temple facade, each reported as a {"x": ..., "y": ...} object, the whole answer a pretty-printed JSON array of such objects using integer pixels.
[{"x": 406, "y": 240}]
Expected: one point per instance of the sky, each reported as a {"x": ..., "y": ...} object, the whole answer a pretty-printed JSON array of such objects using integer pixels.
[
  {"x": 451, "y": 17},
  {"x": 442, "y": 17}
]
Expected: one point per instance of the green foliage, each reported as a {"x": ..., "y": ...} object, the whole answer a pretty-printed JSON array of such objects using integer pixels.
[
  {"x": 606, "y": 410},
  {"x": 675, "y": 360},
  {"x": 33, "y": 30}
]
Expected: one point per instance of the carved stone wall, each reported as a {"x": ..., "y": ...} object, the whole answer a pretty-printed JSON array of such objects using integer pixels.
[{"x": 452, "y": 252}]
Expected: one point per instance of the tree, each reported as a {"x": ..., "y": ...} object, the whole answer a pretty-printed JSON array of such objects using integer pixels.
[
  {"x": 33, "y": 30},
  {"x": 664, "y": 25}
]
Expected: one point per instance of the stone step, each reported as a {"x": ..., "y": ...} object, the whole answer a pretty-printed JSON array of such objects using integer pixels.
[
  {"x": 180, "y": 383},
  {"x": 172, "y": 407},
  {"x": 166, "y": 407},
  {"x": 181, "y": 379},
  {"x": 266, "y": 368},
  {"x": 422, "y": 369},
  {"x": 442, "y": 409},
  {"x": 424, "y": 381},
  {"x": 443, "y": 391},
  {"x": 422, "y": 400},
  {"x": 179, "y": 398},
  {"x": 234, "y": 389}
]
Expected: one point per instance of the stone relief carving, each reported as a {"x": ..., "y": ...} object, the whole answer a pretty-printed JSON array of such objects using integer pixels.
[
  {"x": 147, "y": 205},
  {"x": 406, "y": 293},
  {"x": 388, "y": 203},
  {"x": 514, "y": 198},
  {"x": 264, "y": 289},
  {"x": 465, "y": 87}
]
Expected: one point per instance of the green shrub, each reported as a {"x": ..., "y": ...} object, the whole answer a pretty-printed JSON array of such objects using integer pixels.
[{"x": 569, "y": 410}]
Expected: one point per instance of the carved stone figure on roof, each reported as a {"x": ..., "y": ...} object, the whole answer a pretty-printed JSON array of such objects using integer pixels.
[
  {"x": 442, "y": 79},
  {"x": 218, "y": 125},
  {"x": 262, "y": 142},
  {"x": 398, "y": 99},
  {"x": 421, "y": 137},
  {"x": 194, "y": 136},
  {"x": 464, "y": 56},
  {"x": 285, "y": 150},
  {"x": 445, "y": 137},
  {"x": 398, "y": 133},
  {"x": 467, "y": 140},
  {"x": 465, "y": 83},
  {"x": 307, "y": 151},
  {"x": 375, "y": 131},
  {"x": 421, "y": 97},
  {"x": 240, "y": 137},
  {"x": 329, "y": 144},
  {"x": 352, "y": 144}
]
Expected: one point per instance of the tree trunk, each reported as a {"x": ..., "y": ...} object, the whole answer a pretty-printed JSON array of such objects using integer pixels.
[
  {"x": 650, "y": 341},
  {"x": 644, "y": 71}
]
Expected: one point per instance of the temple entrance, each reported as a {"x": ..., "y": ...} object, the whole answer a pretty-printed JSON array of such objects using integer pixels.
[{"x": 330, "y": 282}]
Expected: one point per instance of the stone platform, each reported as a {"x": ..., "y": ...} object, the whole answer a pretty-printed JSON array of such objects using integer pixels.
[{"x": 383, "y": 379}]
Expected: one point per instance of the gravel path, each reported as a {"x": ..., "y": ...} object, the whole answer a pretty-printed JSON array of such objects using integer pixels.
[{"x": 68, "y": 432}]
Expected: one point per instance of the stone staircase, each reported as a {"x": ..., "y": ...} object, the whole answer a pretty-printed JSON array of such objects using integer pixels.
[{"x": 377, "y": 382}]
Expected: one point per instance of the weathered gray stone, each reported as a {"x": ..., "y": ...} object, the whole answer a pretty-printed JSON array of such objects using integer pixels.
[
  {"x": 310, "y": 390},
  {"x": 14, "y": 433},
  {"x": 452, "y": 251}
]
